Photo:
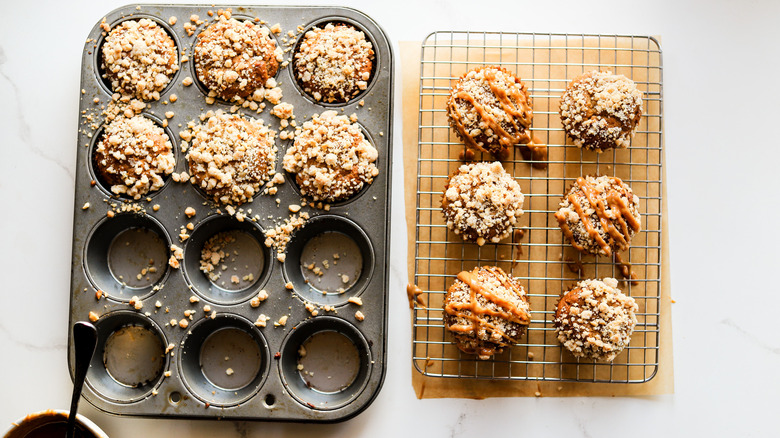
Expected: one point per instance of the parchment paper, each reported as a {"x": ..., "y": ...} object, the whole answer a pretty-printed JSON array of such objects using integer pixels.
[{"x": 426, "y": 386}]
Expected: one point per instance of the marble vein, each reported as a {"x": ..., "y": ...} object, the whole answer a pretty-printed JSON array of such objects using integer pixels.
[
  {"x": 730, "y": 323},
  {"x": 8, "y": 334},
  {"x": 25, "y": 133}
]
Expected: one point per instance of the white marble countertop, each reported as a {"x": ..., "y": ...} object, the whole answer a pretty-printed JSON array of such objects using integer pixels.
[{"x": 720, "y": 66}]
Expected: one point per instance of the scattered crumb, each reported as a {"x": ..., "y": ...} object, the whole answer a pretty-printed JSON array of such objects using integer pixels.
[
  {"x": 189, "y": 211},
  {"x": 93, "y": 316},
  {"x": 359, "y": 315}
]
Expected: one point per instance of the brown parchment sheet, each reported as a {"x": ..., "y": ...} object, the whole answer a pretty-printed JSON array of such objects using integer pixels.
[{"x": 538, "y": 366}]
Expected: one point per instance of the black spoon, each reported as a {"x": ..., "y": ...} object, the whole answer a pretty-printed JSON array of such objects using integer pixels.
[{"x": 84, "y": 340}]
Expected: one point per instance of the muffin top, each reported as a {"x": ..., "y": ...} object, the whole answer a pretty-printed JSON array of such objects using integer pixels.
[
  {"x": 230, "y": 156},
  {"x": 600, "y": 110},
  {"x": 139, "y": 59},
  {"x": 235, "y": 58},
  {"x": 486, "y": 310},
  {"x": 334, "y": 63},
  {"x": 482, "y": 202},
  {"x": 599, "y": 215},
  {"x": 595, "y": 319},
  {"x": 331, "y": 159},
  {"x": 133, "y": 156},
  {"x": 490, "y": 110}
]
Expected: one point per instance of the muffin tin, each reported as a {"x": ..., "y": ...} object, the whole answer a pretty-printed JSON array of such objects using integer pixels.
[{"x": 221, "y": 364}]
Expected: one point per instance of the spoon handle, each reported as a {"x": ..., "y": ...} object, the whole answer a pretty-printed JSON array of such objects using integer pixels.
[{"x": 84, "y": 340}]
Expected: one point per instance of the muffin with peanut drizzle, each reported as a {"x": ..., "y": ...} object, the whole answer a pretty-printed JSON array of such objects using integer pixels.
[
  {"x": 599, "y": 215},
  {"x": 230, "y": 157},
  {"x": 331, "y": 158},
  {"x": 600, "y": 110},
  {"x": 482, "y": 202},
  {"x": 133, "y": 156},
  {"x": 490, "y": 110},
  {"x": 595, "y": 320},
  {"x": 334, "y": 63},
  {"x": 235, "y": 59},
  {"x": 486, "y": 310},
  {"x": 139, "y": 59}
]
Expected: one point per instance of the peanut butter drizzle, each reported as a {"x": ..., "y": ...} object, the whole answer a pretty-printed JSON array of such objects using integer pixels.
[
  {"x": 466, "y": 155},
  {"x": 511, "y": 312},
  {"x": 518, "y": 251},
  {"x": 535, "y": 151},
  {"x": 524, "y": 113},
  {"x": 415, "y": 295},
  {"x": 625, "y": 270},
  {"x": 624, "y": 217}
]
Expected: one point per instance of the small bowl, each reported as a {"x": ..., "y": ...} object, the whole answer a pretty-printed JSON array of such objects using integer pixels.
[{"x": 55, "y": 420}]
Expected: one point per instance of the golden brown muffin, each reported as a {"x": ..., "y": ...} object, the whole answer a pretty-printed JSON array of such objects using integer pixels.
[
  {"x": 490, "y": 110},
  {"x": 486, "y": 310},
  {"x": 482, "y": 202},
  {"x": 599, "y": 215},
  {"x": 334, "y": 63},
  {"x": 139, "y": 59},
  {"x": 231, "y": 156},
  {"x": 600, "y": 110},
  {"x": 235, "y": 58},
  {"x": 133, "y": 156},
  {"x": 330, "y": 158},
  {"x": 595, "y": 320}
]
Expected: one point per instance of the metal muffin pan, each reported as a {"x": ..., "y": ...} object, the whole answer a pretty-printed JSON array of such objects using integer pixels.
[{"x": 222, "y": 365}]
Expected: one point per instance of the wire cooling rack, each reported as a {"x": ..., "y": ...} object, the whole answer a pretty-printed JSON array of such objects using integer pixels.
[{"x": 537, "y": 256}]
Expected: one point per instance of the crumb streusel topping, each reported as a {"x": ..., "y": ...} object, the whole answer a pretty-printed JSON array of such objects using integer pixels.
[
  {"x": 231, "y": 156},
  {"x": 334, "y": 63},
  {"x": 331, "y": 159},
  {"x": 595, "y": 319},
  {"x": 139, "y": 59},
  {"x": 482, "y": 202},
  {"x": 600, "y": 110}
]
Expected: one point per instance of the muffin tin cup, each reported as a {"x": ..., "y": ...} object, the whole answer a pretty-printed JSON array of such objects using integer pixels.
[
  {"x": 97, "y": 54},
  {"x": 100, "y": 183},
  {"x": 248, "y": 261},
  {"x": 129, "y": 360},
  {"x": 224, "y": 360},
  {"x": 321, "y": 240},
  {"x": 333, "y": 367},
  {"x": 120, "y": 253},
  {"x": 377, "y": 62},
  {"x": 249, "y": 307}
]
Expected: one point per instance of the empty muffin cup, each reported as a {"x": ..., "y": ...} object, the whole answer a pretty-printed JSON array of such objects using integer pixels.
[
  {"x": 225, "y": 260},
  {"x": 127, "y": 256},
  {"x": 224, "y": 361},
  {"x": 325, "y": 363},
  {"x": 129, "y": 359},
  {"x": 329, "y": 260}
]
